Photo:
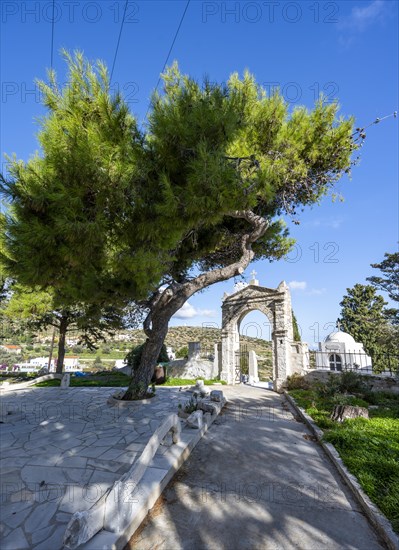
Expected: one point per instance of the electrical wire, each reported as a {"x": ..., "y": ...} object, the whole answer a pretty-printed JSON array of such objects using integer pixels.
[
  {"x": 170, "y": 50},
  {"x": 52, "y": 37},
  {"x": 119, "y": 39}
]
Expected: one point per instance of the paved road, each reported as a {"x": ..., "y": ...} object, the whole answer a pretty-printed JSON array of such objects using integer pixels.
[{"x": 257, "y": 480}]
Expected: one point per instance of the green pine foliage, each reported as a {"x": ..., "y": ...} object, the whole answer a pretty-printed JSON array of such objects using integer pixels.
[
  {"x": 297, "y": 334},
  {"x": 389, "y": 281},
  {"x": 365, "y": 317},
  {"x": 133, "y": 358}
]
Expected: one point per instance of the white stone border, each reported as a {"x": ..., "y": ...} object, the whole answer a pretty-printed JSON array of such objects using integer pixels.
[
  {"x": 44, "y": 378},
  {"x": 113, "y": 520},
  {"x": 113, "y": 512},
  {"x": 381, "y": 524}
]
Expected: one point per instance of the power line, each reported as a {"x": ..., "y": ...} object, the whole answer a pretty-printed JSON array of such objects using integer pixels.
[
  {"x": 119, "y": 39},
  {"x": 52, "y": 37},
  {"x": 170, "y": 50}
]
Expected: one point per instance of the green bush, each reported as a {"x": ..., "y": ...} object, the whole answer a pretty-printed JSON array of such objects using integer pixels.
[
  {"x": 297, "y": 382},
  {"x": 352, "y": 382},
  {"x": 78, "y": 349},
  {"x": 182, "y": 353},
  {"x": 346, "y": 382},
  {"x": 329, "y": 388},
  {"x": 342, "y": 399},
  {"x": 133, "y": 358}
]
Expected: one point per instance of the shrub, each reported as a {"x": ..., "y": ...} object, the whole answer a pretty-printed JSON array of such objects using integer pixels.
[
  {"x": 182, "y": 353},
  {"x": 346, "y": 382},
  {"x": 297, "y": 382},
  {"x": 329, "y": 388},
  {"x": 352, "y": 382},
  {"x": 78, "y": 349},
  {"x": 341, "y": 399},
  {"x": 133, "y": 358}
]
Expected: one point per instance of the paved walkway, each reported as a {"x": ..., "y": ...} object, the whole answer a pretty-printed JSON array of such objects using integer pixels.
[
  {"x": 256, "y": 480},
  {"x": 61, "y": 450}
]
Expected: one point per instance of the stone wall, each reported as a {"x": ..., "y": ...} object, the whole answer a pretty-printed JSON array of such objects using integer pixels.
[
  {"x": 377, "y": 383},
  {"x": 192, "y": 369}
]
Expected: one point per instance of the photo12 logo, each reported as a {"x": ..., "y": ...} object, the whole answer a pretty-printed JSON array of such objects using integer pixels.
[
  {"x": 24, "y": 92},
  {"x": 269, "y": 12},
  {"x": 326, "y": 253},
  {"x": 69, "y": 12},
  {"x": 293, "y": 92}
]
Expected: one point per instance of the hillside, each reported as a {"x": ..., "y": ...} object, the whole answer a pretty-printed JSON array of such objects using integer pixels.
[{"x": 179, "y": 337}]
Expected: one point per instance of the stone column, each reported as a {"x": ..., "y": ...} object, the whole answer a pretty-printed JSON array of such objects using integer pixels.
[
  {"x": 253, "y": 377},
  {"x": 194, "y": 350},
  {"x": 228, "y": 354},
  {"x": 282, "y": 336}
]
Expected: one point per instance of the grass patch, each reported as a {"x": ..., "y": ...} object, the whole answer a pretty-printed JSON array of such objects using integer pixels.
[
  {"x": 369, "y": 448},
  {"x": 101, "y": 379},
  {"x": 116, "y": 380}
]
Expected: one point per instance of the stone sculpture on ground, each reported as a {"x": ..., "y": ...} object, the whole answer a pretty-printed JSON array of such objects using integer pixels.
[{"x": 342, "y": 412}]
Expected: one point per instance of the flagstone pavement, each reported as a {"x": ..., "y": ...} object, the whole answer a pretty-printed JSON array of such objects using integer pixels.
[{"x": 61, "y": 450}]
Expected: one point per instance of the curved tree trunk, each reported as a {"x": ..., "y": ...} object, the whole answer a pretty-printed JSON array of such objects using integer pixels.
[
  {"x": 142, "y": 377},
  {"x": 165, "y": 304}
]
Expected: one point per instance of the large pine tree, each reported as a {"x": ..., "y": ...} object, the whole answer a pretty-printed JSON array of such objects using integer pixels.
[
  {"x": 106, "y": 212},
  {"x": 224, "y": 164}
]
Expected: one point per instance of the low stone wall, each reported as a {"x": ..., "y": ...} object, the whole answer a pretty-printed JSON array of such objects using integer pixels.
[
  {"x": 192, "y": 369},
  {"x": 377, "y": 383},
  {"x": 111, "y": 522}
]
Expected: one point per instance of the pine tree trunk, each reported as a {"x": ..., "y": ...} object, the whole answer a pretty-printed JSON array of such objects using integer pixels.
[
  {"x": 166, "y": 303},
  {"x": 142, "y": 376},
  {"x": 61, "y": 344}
]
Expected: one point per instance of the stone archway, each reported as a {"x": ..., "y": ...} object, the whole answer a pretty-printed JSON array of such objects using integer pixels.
[{"x": 276, "y": 305}]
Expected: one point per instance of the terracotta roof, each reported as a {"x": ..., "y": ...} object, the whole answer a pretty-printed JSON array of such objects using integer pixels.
[{"x": 11, "y": 346}]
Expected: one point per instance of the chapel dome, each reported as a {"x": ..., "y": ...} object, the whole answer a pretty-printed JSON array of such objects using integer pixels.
[{"x": 340, "y": 337}]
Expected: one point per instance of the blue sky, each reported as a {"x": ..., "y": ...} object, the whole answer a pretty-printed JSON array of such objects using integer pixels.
[{"x": 347, "y": 49}]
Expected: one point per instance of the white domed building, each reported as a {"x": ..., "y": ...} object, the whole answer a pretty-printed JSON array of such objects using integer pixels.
[{"x": 340, "y": 351}]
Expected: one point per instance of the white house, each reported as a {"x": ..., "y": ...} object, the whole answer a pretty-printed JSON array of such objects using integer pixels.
[
  {"x": 171, "y": 353},
  {"x": 41, "y": 362},
  {"x": 340, "y": 351},
  {"x": 71, "y": 363}
]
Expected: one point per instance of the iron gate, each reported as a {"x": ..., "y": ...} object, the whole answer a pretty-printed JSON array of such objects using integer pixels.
[{"x": 241, "y": 363}]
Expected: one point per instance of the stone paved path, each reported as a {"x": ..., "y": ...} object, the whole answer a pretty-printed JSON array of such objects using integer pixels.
[
  {"x": 61, "y": 450},
  {"x": 256, "y": 481}
]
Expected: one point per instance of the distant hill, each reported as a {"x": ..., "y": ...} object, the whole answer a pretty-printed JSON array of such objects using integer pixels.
[{"x": 179, "y": 337}]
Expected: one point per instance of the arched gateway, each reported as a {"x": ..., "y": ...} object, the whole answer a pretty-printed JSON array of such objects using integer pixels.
[{"x": 276, "y": 305}]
